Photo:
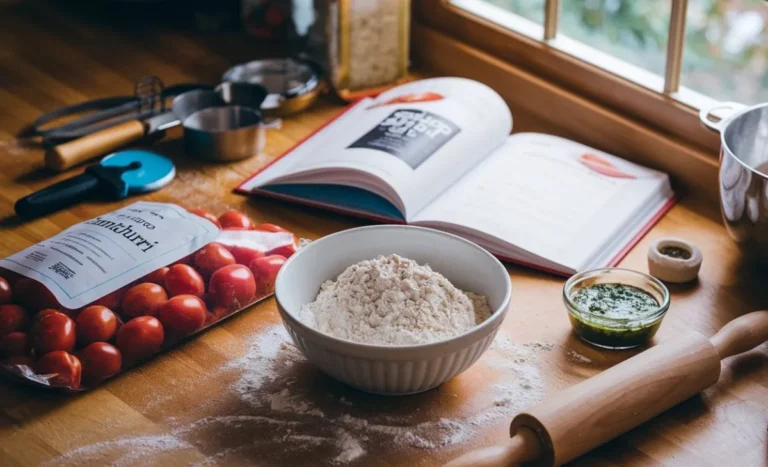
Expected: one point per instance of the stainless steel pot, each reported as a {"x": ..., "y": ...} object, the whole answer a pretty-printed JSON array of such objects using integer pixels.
[{"x": 743, "y": 176}]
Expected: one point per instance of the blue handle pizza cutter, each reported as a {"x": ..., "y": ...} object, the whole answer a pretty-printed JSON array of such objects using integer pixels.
[{"x": 116, "y": 176}]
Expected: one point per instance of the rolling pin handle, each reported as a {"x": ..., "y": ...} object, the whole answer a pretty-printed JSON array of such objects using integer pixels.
[{"x": 741, "y": 334}]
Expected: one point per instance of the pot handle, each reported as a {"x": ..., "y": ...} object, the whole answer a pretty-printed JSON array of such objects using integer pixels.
[{"x": 730, "y": 109}]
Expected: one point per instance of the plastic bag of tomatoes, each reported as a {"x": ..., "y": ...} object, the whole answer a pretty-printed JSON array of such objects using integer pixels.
[{"x": 111, "y": 292}]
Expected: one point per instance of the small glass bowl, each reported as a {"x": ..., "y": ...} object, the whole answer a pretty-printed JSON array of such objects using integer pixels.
[{"x": 615, "y": 333}]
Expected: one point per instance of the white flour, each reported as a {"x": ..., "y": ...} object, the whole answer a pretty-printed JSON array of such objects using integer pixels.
[
  {"x": 393, "y": 301},
  {"x": 272, "y": 392}
]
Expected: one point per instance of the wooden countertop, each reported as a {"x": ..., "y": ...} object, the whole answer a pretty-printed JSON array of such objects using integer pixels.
[{"x": 240, "y": 394}]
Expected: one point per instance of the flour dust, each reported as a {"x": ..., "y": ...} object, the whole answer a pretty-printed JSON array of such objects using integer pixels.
[{"x": 305, "y": 414}]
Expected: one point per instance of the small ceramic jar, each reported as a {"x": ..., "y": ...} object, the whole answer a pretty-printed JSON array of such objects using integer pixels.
[{"x": 674, "y": 260}]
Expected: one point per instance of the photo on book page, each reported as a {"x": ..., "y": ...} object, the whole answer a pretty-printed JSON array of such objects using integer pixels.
[{"x": 411, "y": 135}]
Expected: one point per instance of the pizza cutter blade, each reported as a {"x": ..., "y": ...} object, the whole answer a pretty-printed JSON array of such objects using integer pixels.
[{"x": 115, "y": 177}]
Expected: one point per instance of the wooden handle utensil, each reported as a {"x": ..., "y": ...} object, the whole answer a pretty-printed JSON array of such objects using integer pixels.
[
  {"x": 603, "y": 407},
  {"x": 99, "y": 143}
]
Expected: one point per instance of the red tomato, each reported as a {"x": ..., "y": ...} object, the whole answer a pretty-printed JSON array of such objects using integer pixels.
[
  {"x": 111, "y": 300},
  {"x": 55, "y": 331},
  {"x": 42, "y": 314},
  {"x": 183, "y": 279},
  {"x": 205, "y": 214},
  {"x": 243, "y": 254},
  {"x": 212, "y": 257},
  {"x": 6, "y": 294},
  {"x": 235, "y": 219},
  {"x": 19, "y": 360},
  {"x": 182, "y": 315},
  {"x": 12, "y": 318},
  {"x": 143, "y": 299},
  {"x": 156, "y": 276},
  {"x": 232, "y": 287},
  {"x": 265, "y": 272},
  {"x": 286, "y": 250},
  {"x": 33, "y": 295},
  {"x": 267, "y": 227},
  {"x": 15, "y": 344},
  {"x": 65, "y": 369},
  {"x": 140, "y": 337},
  {"x": 95, "y": 324},
  {"x": 100, "y": 361},
  {"x": 10, "y": 276}
]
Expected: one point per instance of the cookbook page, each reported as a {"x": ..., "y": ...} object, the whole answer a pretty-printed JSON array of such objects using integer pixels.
[
  {"x": 418, "y": 138},
  {"x": 550, "y": 196}
]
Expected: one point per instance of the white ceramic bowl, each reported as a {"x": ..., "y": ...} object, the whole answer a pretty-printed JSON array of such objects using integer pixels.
[{"x": 383, "y": 369}]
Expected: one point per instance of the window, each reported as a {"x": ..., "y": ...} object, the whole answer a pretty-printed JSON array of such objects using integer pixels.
[{"x": 657, "y": 61}]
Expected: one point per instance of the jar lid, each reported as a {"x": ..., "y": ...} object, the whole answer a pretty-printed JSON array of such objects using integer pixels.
[{"x": 286, "y": 79}]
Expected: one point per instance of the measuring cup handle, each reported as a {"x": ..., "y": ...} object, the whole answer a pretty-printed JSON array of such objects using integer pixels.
[{"x": 706, "y": 114}]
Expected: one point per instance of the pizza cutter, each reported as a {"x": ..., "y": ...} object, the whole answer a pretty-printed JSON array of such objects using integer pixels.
[{"x": 115, "y": 177}]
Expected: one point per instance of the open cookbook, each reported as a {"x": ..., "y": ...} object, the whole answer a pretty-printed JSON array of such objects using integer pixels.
[{"x": 438, "y": 153}]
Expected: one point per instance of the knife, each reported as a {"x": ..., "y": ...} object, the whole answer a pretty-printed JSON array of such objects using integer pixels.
[{"x": 105, "y": 141}]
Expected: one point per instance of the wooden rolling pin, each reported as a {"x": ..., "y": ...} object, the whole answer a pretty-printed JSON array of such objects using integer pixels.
[{"x": 603, "y": 407}]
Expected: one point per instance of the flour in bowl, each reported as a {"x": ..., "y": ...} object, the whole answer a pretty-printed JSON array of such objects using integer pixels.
[{"x": 393, "y": 301}]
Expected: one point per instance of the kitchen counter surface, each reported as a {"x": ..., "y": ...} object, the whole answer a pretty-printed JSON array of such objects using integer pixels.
[{"x": 241, "y": 394}]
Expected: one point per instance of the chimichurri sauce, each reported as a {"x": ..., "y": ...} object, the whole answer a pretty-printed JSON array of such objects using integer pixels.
[
  {"x": 614, "y": 315},
  {"x": 617, "y": 301}
]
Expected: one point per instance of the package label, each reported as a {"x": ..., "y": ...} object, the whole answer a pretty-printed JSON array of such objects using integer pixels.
[{"x": 94, "y": 258}]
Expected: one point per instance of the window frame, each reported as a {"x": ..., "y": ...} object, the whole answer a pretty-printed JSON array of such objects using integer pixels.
[{"x": 635, "y": 93}]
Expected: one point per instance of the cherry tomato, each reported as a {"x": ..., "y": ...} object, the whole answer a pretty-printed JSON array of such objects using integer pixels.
[
  {"x": 33, "y": 295},
  {"x": 42, "y": 314},
  {"x": 286, "y": 250},
  {"x": 182, "y": 315},
  {"x": 183, "y": 279},
  {"x": 235, "y": 219},
  {"x": 143, "y": 299},
  {"x": 157, "y": 276},
  {"x": 23, "y": 360},
  {"x": 205, "y": 214},
  {"x": 10, "y": 276},
  {"x": 243, "y": 254},
  {"x": 232, "y": 287},
  {"x": 12, "y": 318},
  {"x": 267, "y": 227},
  {"x": 15, "y": 344},
  {"x": 111, "y": 300},
  {"x": 95, "y": 324},
  {"x": 140, "y": 337},
  {"x": 100, "y": 361},
  {"x": 55, "y": 331},
  {"x": 212, "y": 257},
  {"x": 65, "y": 369},
  {"x": 6, "y": 294},
  {"x": 265, "y": 272}
]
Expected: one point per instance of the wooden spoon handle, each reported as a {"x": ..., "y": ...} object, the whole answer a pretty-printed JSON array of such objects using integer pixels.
[
  {"x": 522, "y": 447},
  {"x": 742, "y": 334},
  {"x": 94, "y": 145}
]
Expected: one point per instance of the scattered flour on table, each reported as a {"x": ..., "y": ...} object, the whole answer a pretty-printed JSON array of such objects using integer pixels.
[
  {"x": 577, "y": 357},
  {"x": 391, "y": 300},
  {"x": 340, "y": 433}
]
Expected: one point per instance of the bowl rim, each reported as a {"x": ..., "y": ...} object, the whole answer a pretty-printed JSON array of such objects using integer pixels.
[{"x": 496, "y": 314}]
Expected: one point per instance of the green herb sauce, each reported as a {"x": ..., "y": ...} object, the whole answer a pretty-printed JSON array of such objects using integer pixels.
[
  {"x": 675, "y": 252},
  {"x": 614, "y": 315}
]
